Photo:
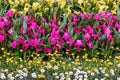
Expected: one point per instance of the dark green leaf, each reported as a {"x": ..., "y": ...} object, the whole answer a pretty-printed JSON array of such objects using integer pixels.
[
  {"x": 24, "y": 26},
  {"x": 63, "y": 23}
]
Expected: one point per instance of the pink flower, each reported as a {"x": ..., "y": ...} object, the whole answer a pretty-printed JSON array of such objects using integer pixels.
[
  {"x": 70, "y": 42},
  {"x": 87, "y": 36},
  {"x": 77, "y": 29},
  {"x": 102, "y": 13},
  {"x": 53, "y": 25},
  {"x": 109, "y": 37},
  {"x": 9, "y": 13},
  {"x": 6, "y": 21},
  {"x": 82, "y": 15},
  {"x": 41, "y": 42},
  {"x": 90, "y": 44},
  {"x": 59, "y": 45},
  {"x": 42, "y": 30},
  {"x": 79, "y": 44},
  {"x": 90, "y": 29},
  {"x": 96, "y": 17},
  {"x": 35, "y": 34},
  {"x": 33, "y": 42},
  {"x": 47, "y": 50},
  {"x": 14, "y": 44},
  {"x": 66, "y": 36},
  {"x": 53, "y": 41},
  {"x": 33, "y": 25},
  {"x": 96, "y": 36},
  {"x": 38, "y": 50},
  {"x": 25, "y": 46},
  {"x": 2, "y": 24},
  {"x": 26, "y": 18},
  {"x": 1, "y": 38},
  {"x": 19, "y": 41},
  {"x": 107, "y": 31},
  {"x": 108, "y": 14},
  {"x": 43, "y": 19},
  {"x": 88, "y": 15},
  {"x": 67, "y": 49},
  {"x": 10, "y": 31},
  {"x": 118, "y": 27}
]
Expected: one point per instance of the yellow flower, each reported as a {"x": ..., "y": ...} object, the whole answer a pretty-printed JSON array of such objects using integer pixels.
[
  {"x": 94, "y": 69},
  {"x": 10, "y": 2},
  {"x": 22, "y": 2},
  {"x": 13, "y": 10},
  {"x": 109, "y": 63},
  {"x": 41, "y": 76},
  {"x": 21, "y": 66},
  {"x": 35, "y": 5},
  {"x": 2, "y": 49},
  {"x": 16, "y": 2},
  {"x": 50, "y": 2},
  {"x": 21, "y": 50},
  {"x": 80, "y": 1},
  {"x": 26, "y": 10},
  {"x": 117, "y": 57},
  {"x": 61, "y": 3},
  {"x": 27, "y": 5}
]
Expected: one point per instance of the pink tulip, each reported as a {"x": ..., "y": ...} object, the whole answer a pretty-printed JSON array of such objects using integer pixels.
[
  {"x": 42, "y": 30},
  {"x": 88, "y": 15},
  {"x": 10, "y": 31},
  {"x": 79, "y": 44},
  {"x": 90, "y": 44},
  {"x": 102, "y": 13},
  {"x": 53, "y": 41},
  {"x": 96, "y": 17},
  {"x": 67, "y": 49},
  {"x": 82, "y": 15},
  {"x": 2, "y": 24},
  {"x": 77, "y": 29},
  {"x": 53, "y": 25},
  {"x": 108, "y": 14},
  {"x": 47, "y": 50},
  {"x": 90, "y": 29},
  {"x": 70, "y": 42},
  {"x": 35, "y": 34},
  {"x": 14, "y": 44},
  {"x": 107, "y": 31},
  {"x": 33, "y": 42},
  {"x": 87, "y": 36},
  {"x": 25, "y": 46},
  {"x": 66, "y": 36},
  {"x": 118, "y": 27},
  {"x": 1, "y": 38},
  {"x": 33, "y": 25},
  {"x": 9, "y": 13},
  {"x": 96, "y": 36},
  {"x": 38, "y": 50},
  {"x": 26, "y": 18}
]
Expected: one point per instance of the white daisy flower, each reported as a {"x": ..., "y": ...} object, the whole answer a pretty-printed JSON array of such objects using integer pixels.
[{"x": 33, "y": 75}]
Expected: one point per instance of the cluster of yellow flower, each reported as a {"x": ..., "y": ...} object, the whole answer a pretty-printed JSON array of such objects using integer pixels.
[{"x": 40, "y": 7}]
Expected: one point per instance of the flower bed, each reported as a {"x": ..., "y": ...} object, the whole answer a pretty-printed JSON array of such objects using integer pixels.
[
  {"x": 59, "y": 40},
  {"x": 59, "y": 68}
]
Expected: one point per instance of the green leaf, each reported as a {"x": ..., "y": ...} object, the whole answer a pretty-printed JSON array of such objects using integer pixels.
[
  {"x": 75, "y": 37},
  {"x": 63, "y": 23},
  {"x": 103, "y": 37},
  {"x": 70, "y": 30},
  {"x": 117, "y": 36},
  {"x": 24, "y": 25},
  {"x": 117, "y": 54},
  {"x": 118, "y": 13},
  {"x": 15, "y": 35}
]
